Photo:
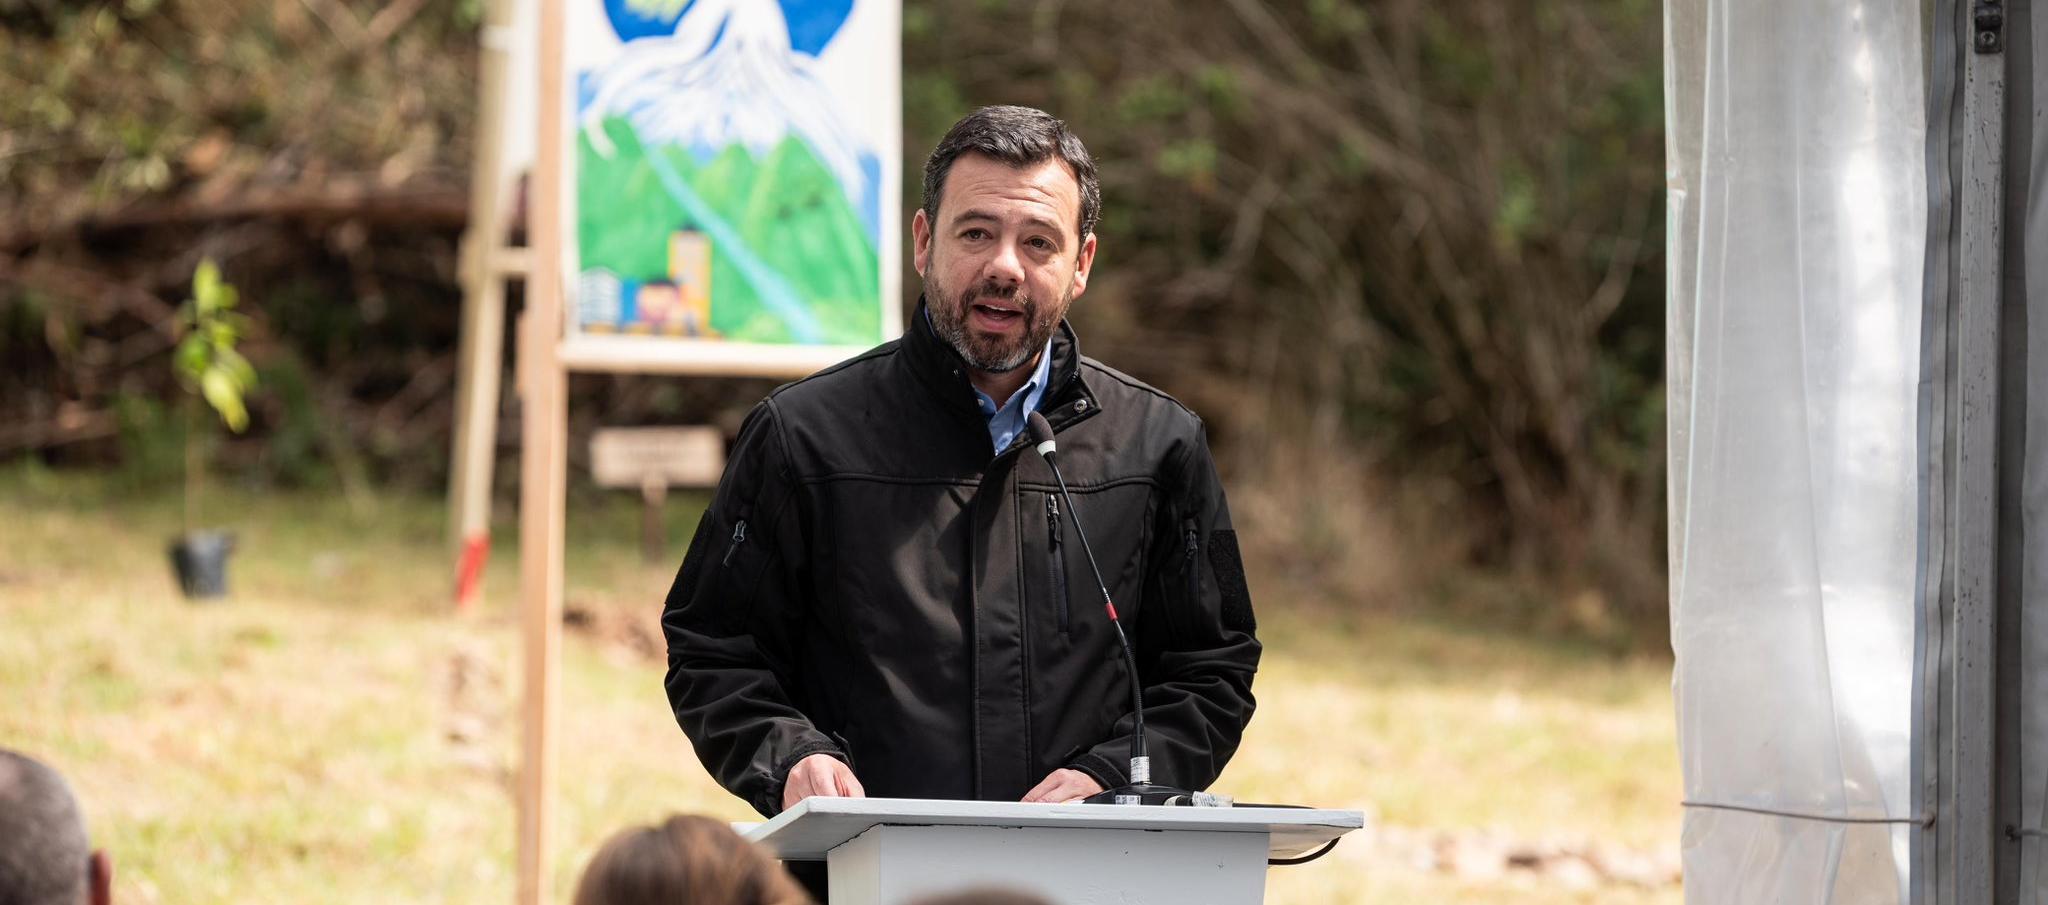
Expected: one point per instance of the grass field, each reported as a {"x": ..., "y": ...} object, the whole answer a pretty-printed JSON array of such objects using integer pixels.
[{"x": 333, "y": 734}]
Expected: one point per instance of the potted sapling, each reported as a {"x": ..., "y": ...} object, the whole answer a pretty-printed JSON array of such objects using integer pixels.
[{"x": 209, "y": 370}]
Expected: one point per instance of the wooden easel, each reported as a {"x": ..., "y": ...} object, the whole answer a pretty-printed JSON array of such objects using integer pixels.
[
  {"x": 489, "y": 262},
  {"x": 547, "y": 352},
  {"x": 543, "y": 473}
]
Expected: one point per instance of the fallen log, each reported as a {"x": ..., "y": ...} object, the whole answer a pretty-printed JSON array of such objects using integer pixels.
[{"x": 442, "y": 206}]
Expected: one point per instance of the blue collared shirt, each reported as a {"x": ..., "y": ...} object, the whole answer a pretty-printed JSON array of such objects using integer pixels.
[{"x": 1004, "y": 424}]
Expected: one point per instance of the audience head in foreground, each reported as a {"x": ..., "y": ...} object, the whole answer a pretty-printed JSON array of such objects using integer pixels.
[
  {"x": 46, "y": 858},
  {"x": 685, "y": 860}
]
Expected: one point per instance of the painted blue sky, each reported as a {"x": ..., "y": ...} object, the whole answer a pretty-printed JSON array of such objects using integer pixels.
[{"x": 812, "y": 23}]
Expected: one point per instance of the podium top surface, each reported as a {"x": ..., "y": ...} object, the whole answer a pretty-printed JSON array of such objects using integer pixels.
[{"x": 818, "y": 825}]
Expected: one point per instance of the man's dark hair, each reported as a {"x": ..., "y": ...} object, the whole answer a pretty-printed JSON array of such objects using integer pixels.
[
  {"x": 1020, "y": 137},
  {"x": 45, "y": 858}
]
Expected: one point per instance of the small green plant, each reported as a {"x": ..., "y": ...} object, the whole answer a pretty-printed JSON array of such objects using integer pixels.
[
  {"x": 207, "y": 361},
  {"x": 209, "y": 367}
]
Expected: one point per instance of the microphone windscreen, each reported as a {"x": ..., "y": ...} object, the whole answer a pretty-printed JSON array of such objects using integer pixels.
[{"x": 1040, "y": 431}]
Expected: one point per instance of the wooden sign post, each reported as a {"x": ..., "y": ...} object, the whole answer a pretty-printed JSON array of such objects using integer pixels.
[{"x": 653, "y": 459}]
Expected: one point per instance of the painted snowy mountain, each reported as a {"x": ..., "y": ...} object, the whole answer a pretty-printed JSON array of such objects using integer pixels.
[{"x": 729, "y": 75}]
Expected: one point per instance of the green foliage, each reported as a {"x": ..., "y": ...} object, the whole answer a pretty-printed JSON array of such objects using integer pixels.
[
  {"x": 1339, "y": 18},
  {"x": 23, "y": 322},
  {"x": 1193, "y": 160},
  {"x": 206, "y": 360},
  {"x": 113, "y": 100},
  {"x": 293, "y": 454},
  {"x": 1222, "y": 90},
  {"x": 1517, "y": 214},
  {"x": 1151, "y": 99}
]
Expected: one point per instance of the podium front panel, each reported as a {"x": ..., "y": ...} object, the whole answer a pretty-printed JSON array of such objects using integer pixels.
[{"x": 895, "y": 865}]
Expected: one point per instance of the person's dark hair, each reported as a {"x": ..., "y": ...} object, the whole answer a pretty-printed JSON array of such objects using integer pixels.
[
  {"x": 685, "y": 859},
  {"x": 1020, "y": 137},
  {"x": 45, "y": 858}
]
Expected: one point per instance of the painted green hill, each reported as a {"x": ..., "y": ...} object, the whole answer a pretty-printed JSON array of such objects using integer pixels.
[{"x": 786, "y": 210}]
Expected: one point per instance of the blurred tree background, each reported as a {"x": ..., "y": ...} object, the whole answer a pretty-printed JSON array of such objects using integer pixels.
[{"x": 1406, "y": 257}]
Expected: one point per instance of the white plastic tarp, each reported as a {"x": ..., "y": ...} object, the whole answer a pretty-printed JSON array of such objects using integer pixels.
[{"x": 1797, "y": 193}]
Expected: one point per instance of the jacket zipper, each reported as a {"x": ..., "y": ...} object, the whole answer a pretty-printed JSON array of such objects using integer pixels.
[
  {"x": 739, "y": 536},
  {"x": 1057, "y": 557},
  {"x": 1189, "y": 566}
]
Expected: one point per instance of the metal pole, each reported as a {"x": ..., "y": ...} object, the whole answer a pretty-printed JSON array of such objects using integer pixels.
[{"x": 1970, "y": 821}]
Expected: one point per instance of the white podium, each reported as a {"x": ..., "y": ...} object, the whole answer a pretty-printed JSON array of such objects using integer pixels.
[{"x": 891, "y": 851}]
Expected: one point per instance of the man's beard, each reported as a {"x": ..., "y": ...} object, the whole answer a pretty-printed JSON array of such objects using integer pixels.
[{"x": 992, "y": 353}]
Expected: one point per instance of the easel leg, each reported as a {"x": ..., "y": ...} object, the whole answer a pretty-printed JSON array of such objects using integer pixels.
[
  {"x": 543, "y": 478},
  {"x": 476, "y": 433}
]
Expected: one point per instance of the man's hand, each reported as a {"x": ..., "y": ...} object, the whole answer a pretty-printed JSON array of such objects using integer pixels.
[
  {"x": 1063, "y": 786},
  {"x": 823, "y": 775}
]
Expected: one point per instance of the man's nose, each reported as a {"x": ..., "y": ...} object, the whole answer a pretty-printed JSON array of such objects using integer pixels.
[{"x": 1006, "y": 267}]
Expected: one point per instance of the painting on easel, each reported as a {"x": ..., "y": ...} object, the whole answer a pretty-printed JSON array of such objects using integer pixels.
[{"x": 735, "y": 171}]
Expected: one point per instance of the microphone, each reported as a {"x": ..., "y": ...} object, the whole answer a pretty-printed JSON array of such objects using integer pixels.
[{"x": 1141, "y": 789}]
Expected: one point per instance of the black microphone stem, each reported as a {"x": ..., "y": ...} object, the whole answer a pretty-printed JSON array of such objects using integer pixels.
[
  {"x": 1140, "y": 790},
  {"x": 1139, "y": 762}
]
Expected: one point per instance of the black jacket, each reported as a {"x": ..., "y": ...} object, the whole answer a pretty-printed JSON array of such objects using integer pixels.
[{"x": 869, "y": 582}]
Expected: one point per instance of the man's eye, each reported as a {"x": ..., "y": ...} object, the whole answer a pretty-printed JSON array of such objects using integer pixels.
[
  {"x": 975, "y": 234},
  {"x": 1041, "y": 243}
]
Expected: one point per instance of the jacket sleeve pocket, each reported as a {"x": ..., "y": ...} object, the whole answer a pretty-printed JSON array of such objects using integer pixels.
[{"x": 1234, "y": 594}]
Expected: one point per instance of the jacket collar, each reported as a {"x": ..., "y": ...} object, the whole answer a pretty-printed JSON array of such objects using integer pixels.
[{"x": 941, "y": 369}]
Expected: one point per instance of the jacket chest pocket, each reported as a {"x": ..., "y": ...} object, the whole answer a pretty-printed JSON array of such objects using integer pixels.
[
  {"x": 1058, "y": 583},
  {"x": 1056, "y": 563}
]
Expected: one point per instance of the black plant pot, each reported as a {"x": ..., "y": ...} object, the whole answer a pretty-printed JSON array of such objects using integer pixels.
[{"x": 201, "y": 558}]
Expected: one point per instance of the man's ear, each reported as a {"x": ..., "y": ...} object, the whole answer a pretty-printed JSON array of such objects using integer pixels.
[
  {"x": 1082, "y": 262},
  {"x": 100, "y": 874},
  {"x": 920, "y": 242}
]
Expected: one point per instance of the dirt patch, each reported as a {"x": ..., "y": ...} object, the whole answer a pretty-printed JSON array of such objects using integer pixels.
[
  {"x": 1486, "y": 855},
  {"x": 474, "y": 711},
  {"x": 634, "y": 633}
]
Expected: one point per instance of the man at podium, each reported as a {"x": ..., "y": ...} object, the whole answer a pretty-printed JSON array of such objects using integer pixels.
[{"x": 886, "y": 596}]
